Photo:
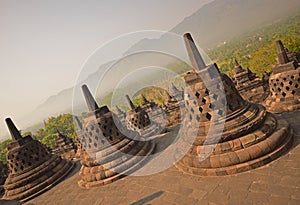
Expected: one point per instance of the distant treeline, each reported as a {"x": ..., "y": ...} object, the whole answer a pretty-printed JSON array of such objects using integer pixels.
[{"x": 256, "y": 49}]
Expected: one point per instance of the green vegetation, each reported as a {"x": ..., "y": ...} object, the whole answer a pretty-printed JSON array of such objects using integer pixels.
[
  {"x": 47, "y": 135},
  {"x": 256, "y": 49}
]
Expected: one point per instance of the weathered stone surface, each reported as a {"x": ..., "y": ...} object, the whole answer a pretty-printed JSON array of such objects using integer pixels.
[
  {"x": 250, "y": 137},
  {"x": 110, "y": 149},
  {"x": 32, "y": 169},
  {"x": 277, "y": 181},
  {"x": 250, "y": 87},
  {"x": 175, "y": 106},
  {"x": 64, "y": 147},
  {"x": 137, "y": 119},
  {"x": 284, "y": 83}
]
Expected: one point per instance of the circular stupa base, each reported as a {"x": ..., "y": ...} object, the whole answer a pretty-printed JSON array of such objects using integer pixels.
[{"x": 250, "y": 151}]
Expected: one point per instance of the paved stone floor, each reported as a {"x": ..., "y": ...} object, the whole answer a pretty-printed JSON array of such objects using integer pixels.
[{"x": 275, "y": 183}]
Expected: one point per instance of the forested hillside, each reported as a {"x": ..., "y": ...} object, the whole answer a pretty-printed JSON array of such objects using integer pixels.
[{"x": 256, "y": 49}]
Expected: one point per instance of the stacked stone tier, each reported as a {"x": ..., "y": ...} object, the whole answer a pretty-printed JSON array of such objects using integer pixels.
[
  {"x": 111, "y": 151},
  {"x": 285, "y": 91},
  {"x": 32, "y": 170},
  {"x": 259, "y": 147}
]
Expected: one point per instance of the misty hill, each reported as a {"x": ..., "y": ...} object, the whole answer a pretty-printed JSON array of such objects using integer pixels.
[
  {"x": 214, "y": 23},
  {"x": 222, "y": 20}
]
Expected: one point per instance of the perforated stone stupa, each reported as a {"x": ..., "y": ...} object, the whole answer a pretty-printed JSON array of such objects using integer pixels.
[
  {"x": 137, "y": 119},
  {"x": 155, "y": 112},
  {"x": 174, "y": 106},
  {"x": 64, "y": 147},
  {"x": 249, "y": 85},
  {"x": 32, "y": 170},
  {"x": 251, "y": 137},
  {"x": 284, "y": 83},
  {"x": 111, "y": 150}
]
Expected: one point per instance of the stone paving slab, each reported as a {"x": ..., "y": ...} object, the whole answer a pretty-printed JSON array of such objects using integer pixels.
[{"x": 275, "y": 183}]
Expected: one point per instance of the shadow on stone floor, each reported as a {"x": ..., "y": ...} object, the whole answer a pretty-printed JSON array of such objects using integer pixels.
[{"x": 148, "y": 198}]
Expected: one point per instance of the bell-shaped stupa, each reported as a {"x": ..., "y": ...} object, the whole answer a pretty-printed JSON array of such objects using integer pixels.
[
  {"x": 249, "y": 85},
  {"x": 111, "y": 151},
  {"x": 64, "y": 146},
  {"x": 137, "y": 119},
  {"x": 244, "y": 138},
  {"x": 284, "y": 83},
  {"x": 33, "y": 169}
]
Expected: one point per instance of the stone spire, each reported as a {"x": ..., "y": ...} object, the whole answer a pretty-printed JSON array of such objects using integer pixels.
[
  {"x": 33, "y": 169},
  {"x": 109, "y": 151},
  {"x": 90, "y": 101},
  {"x": 232, "y": 147},
  {"x": 284, "y": 83},
  {"x": 237, "y": 67},
  {"x": 144, "y": 100},
  {"x": 193, "y": 53},
  {"x": 14, "y": 132},
  {"x": 236, "y": 62},
  {"x": 130, "y": 104},
  {"x": 78, "y": 124},
  {"x": 281, "y": 53}
]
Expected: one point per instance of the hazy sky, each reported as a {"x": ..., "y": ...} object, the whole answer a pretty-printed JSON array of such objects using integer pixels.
[{"x": 43, "y": 44}]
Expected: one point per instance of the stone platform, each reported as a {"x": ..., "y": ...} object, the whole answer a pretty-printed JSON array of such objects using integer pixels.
[{"x": 275, "y": 183}]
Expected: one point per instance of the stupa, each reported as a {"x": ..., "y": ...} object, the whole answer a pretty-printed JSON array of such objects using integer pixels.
[
  {"x": 284, "y": 83},
  {"x": 249, "y": 85},
  {"x": 292, "y": 56},
  {"x": 110, "y": 150},
  {"x": 250, "y": 137},
  {"x": 137, "y": 119},
  {"x": 155, "y": 112},
  {"x": 64, "y": 146},
  {"x": 174, "y": 109},
  {"x": 32, "y": 170}
]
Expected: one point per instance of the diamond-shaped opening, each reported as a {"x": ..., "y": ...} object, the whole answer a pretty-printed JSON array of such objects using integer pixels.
[
  {"x": 298, "y": 79},
  {"x": 283, "y": 94},
  {"x": 204, "y": 100},
  {"x": 284, "y": 78},
  {"x": 281, "y": 84},
  {"x": 197, "y": 94},
  {"x": 208, "y": 116},
  {"x": 277, "y": 80},
  {"x": 290, "y": 82},
  {"x": 201, "y": 109},
  {"x": 296, "y": 86},
  {"x": 206, "y": 91},
  {"x": 215, "y": 96},
  {"x": 212, "y": 106},
  {"x": 287, "y": 88},
  {"x": 198, "y": 118},
  {"x": 279, "y": 89},
  {"x": 192, "y": 110},
  {"x": 274, "y": 84},
  {"x": 292, "y": 77},
  {"x": 293, "y": 92},
  {"x": 191, "y": 117},
  {"x": 220, "y": 112}
]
